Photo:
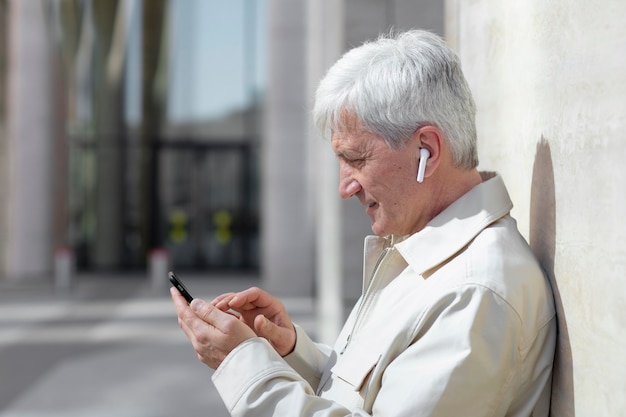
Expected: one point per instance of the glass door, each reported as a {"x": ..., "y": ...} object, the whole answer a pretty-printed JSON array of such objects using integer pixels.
[{"x": 207, "y": 206}]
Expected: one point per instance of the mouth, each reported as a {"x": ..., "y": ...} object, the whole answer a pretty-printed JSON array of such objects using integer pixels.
[{"x": 371, "y": 207}]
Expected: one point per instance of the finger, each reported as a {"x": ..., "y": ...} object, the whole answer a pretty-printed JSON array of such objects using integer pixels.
[
  {"x": 281, "y": 338},
  {"x": 224, "y": 304},
  {"x": 268, "y": 329},
  {"x": 179, "y": 301},
  {"x": 187, "y": 330},
  {"x": 188, "y": 318},
  {"x": 222, "y": 299},
  {"x": 184, "y": 313},
  {"x": 183, "y": 310},
  {"x": 251, "y": 298},
  {"x": 210, "y": 314},
  {"x": 217, "y": 328},
  {"x": 263, "y": 327}
]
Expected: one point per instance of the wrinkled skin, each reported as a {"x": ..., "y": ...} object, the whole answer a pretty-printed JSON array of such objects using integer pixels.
[{"x": 216, "y": 328}]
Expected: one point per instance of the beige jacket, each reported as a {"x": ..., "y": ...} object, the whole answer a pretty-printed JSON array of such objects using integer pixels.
[{"x": 456, "y": 320}]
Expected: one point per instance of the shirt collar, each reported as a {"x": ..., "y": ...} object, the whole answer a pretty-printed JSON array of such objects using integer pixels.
[{"x": 457, "y": 225}]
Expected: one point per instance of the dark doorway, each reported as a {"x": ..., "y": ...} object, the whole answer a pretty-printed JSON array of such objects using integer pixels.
[{"x": 206, "y": 210}]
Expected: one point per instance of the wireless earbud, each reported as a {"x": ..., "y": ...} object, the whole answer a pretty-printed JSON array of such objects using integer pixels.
[{"x": 424, "y": 155}]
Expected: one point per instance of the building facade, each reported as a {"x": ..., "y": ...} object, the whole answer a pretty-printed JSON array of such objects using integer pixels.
[{"x": 136, "y": 128}]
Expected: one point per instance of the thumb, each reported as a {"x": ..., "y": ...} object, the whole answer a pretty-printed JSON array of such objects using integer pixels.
[
  {"x": 198, "y": 305},
  {"x": 263, "y": 327},
  {"x": 205, "y": 311},
  {"x": 279, "y": 337}
]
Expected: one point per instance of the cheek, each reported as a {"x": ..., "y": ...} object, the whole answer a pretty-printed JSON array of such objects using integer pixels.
[
  {"x": 397, "y": 195},
  {"x": 398, "y": 181},
  {"x": 407, "y": 170},
  {"x": 389, "y": 182},
  {"x": 390, "y": 199}
]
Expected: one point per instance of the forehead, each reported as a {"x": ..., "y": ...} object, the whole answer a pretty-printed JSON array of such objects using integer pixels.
[
  {"x": 345, "y": 141},
  {"x": 350, "y": 135}
]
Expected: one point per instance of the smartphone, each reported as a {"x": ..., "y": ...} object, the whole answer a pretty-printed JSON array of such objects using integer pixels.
[{"x": 180, "y": 287}]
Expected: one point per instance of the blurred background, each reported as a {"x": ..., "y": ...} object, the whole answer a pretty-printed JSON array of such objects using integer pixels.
[
  {"x": 149, "y": 122},
  {"x": 173, "y": 125},
  {"x": 138, "y": 136}
]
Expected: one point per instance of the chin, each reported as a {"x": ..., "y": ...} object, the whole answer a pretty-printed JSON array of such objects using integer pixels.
[
  {"x": 381, "y": 227},
  {"x": 379, "y": 231},
  {"x": 383, "y": 231}
]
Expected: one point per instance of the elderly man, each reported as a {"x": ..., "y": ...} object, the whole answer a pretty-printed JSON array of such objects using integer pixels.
[{"x": 456, "y": 317}]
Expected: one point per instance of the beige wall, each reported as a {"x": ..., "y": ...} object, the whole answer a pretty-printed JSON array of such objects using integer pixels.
[{"x": 549, "y": 80}]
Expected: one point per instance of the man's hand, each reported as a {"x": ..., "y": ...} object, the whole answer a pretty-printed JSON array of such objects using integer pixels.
[
  {"x": 212, "y": 332},
  {"x": 264, "y": 314}
]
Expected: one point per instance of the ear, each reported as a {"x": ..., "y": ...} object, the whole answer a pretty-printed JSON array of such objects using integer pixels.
[{"x": 430, "y": 138}]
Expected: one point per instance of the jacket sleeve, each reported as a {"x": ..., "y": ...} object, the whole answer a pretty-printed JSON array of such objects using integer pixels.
[
  {"x": 464, "y": 361},
  {"x": 309, "y": 359},
  {"x": 254, "y": 381}
]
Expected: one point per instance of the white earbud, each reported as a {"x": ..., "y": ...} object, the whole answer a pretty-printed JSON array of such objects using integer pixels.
[{"x": 424, "y": 155}]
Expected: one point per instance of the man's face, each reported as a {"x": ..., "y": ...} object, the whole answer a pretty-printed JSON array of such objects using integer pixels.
[{"x": 383, "y": 179}]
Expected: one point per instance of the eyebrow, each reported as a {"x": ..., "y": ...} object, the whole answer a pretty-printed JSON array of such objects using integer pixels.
[{"x": 350, "y": 154}]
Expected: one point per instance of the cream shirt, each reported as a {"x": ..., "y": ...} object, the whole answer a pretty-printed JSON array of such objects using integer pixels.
[{"x": 456, "y": 320}]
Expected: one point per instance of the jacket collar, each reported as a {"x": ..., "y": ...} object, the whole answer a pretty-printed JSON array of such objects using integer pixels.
[{"x": 457, "y": 225}]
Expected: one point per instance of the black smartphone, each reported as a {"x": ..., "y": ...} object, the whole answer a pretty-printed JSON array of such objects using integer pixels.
[{"x": 180, "y": 287}]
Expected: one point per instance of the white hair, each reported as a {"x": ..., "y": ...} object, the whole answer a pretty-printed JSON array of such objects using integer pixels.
[{"x": 397, "y": 84}]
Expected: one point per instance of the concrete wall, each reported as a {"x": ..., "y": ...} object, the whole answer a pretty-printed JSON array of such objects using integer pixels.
[{"x": 549, "y": 80}]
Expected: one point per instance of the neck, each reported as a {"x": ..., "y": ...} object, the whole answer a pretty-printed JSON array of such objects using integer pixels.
[{"x": 451, "y": 187}]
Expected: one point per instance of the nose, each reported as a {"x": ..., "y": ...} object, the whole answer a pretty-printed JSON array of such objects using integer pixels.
[{"x": 348, "y": 185}]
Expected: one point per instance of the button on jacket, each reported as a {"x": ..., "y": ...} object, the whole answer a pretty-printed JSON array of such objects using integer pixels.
[{"x": 455, "y": 320}]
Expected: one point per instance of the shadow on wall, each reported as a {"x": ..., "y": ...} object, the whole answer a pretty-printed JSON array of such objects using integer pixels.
[{"x": 542, "y": 241}]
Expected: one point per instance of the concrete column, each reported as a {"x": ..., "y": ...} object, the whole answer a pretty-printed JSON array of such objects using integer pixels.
[
  {"x": 325, "y": 45},
  {"x": 29, "y": 151},
  {"x": 287, "y": 203},
  {"x": 4, "y": 159}
]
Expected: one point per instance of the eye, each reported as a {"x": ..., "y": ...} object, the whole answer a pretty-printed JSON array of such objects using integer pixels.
[
  {"x": 356, "y": 162},
  {"x": 352, "y": 159}
]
